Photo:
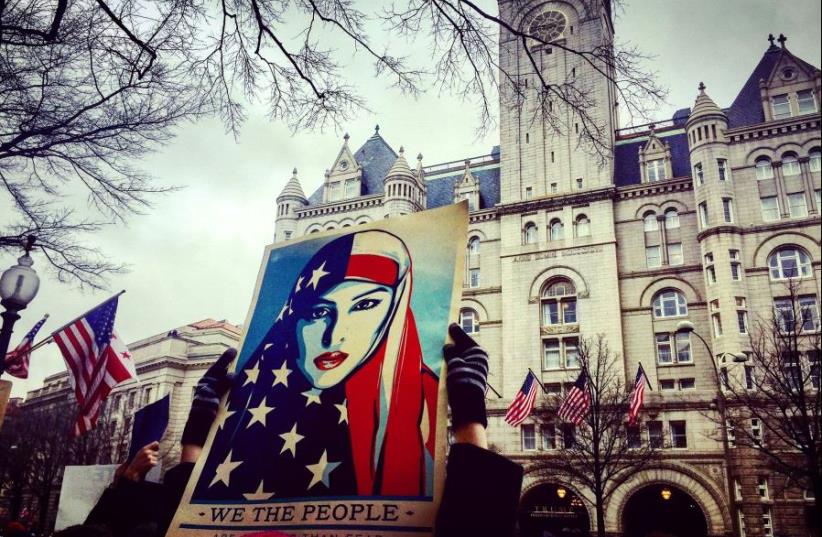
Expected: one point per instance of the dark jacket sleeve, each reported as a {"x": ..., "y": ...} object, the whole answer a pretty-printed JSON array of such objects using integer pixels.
[
  {"x": 481, "y": 494},
  {"x": 174, "y": 485}
]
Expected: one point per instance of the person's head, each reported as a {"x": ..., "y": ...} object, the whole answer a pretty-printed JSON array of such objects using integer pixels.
[{"x": 344, "y": 304}]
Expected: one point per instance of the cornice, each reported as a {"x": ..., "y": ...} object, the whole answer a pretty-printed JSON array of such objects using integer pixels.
[
  {"x": 676, "y": 184},
  {"x": 774, "y": 128},
  {"x": 556, "y": 202},
  {"x": 343, "y": 206}
]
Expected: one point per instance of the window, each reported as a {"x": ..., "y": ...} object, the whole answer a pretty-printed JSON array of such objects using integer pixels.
[
  {"x": 579, "y": 183},
  {"x": 559, "y": 303},
  {"x": 687, "y": 384},
  {"x": 529, "y": 438},
  {"x": 553, "y": 185},
  {"x": 767, "y": 522},
  {"x": 675, "y": 253},
  {"x": 781, "y": 106},
  {"x": 352, "y": 189},
  {"x": 770, "y": 208},
  {"x": 633, "y": 436},
  {"x": 728, "y": 210},
  {"x": 724, "y": 379},
  {"x": 724, "y": 170},
  {"x": 756, "y": 431},
  {"x": 583, "y": 226},
  {"x": 815, "y": 160},
  {"x": 131, "y": 397},
  {"x": 790, "y": 165},
  {"x": 653, "y": 259},
  {"x": 571, "y": 354},
  {"x": 671, "y": 219},
  {"x": 736, "y": 265},
  {"x": 672, "y": 348},
  {"x": 699, "y": 173},
  {"x": 287, "y": 235},
  {"x": 703, "y": 214},
  {"x": 762, "y": 488},
  {"x": 789, "y": 262},
  {"x": 731, "y": 431},
  {"x": 569, "y": 437},
  {"x": 741, "y": 518},
  {"x": 655, "y": 438},
  {"x": 710, "y": 271},
  {"x": 737, "y": 490},
  {"x": 809, "y": 313},
  {"x": 742, "y": 321},
  {"x": 649, "y": 221},
  {"x": 750, "y": 377},
  {"x": 667, "y": 384},
  {"x": 764, "y": 169},
  {"x": 334, "y": 190},
  {"x": 655, "y": 169},
  {"x": 783, "y": 310},
  {"x": 797, "y": 205},
  {"x": 670, "y": 303},
  {"x": 473, "y": 277},
  {"x": 147, "y": 396},
  {"x": 469, "y": 320},
  {"x": 806, "y": 101},
  {"x": 717, "y": 322},
  {"x": 549, "y": 436},
  {"x": 473, "y": 246},
  {"x": 556, "y": 229},
  {"x": 529, "y": 192},
  {"x": 814, "y": 367},
  {"x": 560, "y": 354},
  {"x": 531, "y": 233},
  {"x": 679, "y": 435},
  {"x": 683, "y": 347},
  {"x": 551, "y": 356}
]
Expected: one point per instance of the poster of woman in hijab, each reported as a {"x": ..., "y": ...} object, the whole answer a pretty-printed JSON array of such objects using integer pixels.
[{"x": 336, "y": 419}]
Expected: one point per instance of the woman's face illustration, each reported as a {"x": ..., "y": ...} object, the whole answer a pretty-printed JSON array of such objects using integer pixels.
[{"x": 336, "y": 333}]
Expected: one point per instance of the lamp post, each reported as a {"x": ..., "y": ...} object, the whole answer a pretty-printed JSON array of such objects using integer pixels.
[
  {"x": 688, "y": 327},
  {"x": 18, "y": 287}
]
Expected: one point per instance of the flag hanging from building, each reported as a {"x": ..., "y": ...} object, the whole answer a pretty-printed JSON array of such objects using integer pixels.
[
  {"x": 97, "y": 361},
  {"x": 17, "y": 360},
  {"x": 523, "y": 402},
  {"x": 577, "y": 402},
  {"x": 637, "y": 396}
]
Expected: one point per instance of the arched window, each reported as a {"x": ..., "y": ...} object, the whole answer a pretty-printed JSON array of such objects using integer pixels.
[
  {"x": 790, "y": 164},
  {"x": 789, "y": 262},
  {"x": 469, "y": 320},
  {"x": 815, "y": 159},
  {"x": 473, "y": 245},
  {"x": 583, "y": 226},
  {"x": 670, "y": 303},
  {"x": 314, "y": 231},
  {"x": 671, "y": 219},
  {"x": 559, "y": 303},
  {"x": 764, "y": 170},
  {"x": 556, "y": 229},
  {"x": 649, "y": 221},
  {"x": 530, "y": 233}
]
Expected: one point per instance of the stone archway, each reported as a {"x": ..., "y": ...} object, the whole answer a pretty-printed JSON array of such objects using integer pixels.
[
  {"x": 553, "y": 510},
  {"x": 661, "y": 510}
]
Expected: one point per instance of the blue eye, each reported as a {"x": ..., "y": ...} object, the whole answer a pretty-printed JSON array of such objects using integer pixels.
[
  {"x": 366, "y": 304},
  {"x": 320, "y": 312}
]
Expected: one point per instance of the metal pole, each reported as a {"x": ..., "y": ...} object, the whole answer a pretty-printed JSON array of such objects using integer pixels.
[{"x": 10, "y": 317}]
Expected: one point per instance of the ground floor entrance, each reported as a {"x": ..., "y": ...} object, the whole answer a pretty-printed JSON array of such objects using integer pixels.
[
  {"x": 663, "y": 511},
  {"x": 550, "y": 510}
]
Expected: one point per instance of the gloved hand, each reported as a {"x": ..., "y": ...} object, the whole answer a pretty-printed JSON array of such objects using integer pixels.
[
  {"x": 207, "y": 394},
  {"x": 467, "y": 378}
]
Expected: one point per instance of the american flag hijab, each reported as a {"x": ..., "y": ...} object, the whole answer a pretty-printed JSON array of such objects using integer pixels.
[{"x": 371, "y": 433}]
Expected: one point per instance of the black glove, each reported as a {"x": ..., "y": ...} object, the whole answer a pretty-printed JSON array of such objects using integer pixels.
[
  {"x": 467, "y": 378},
  {"x": 207, "y": 394}
]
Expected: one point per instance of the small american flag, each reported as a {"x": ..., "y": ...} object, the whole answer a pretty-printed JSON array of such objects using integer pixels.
[
  {"x": 17, "y": 361},
  {"x": 523, "y": 402},
  {"x": 577, "y": 401},
  {"x": 637, "y": 396},
  {"x": 97, "y": 361}
]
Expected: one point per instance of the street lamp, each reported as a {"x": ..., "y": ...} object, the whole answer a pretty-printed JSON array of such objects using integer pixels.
[{"x": 18, "y": 287}]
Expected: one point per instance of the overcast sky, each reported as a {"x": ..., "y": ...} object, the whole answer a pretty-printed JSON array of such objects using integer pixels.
[{"x": 196, "y": 254}]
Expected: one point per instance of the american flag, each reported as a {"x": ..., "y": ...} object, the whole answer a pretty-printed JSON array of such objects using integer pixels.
[
  {"x": 577, "y": 401},
  {"x": 523, "y": 402},
  {"x": 17, "y": 360},
  {"x": 637, "y": 396},
  {"x": 97, "y": 361}
]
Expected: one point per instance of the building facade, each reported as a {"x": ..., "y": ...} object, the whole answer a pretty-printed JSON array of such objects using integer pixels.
[{"x": 700, "y": 218}]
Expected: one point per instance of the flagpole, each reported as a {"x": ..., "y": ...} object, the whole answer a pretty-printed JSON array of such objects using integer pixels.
[
  {"x": 493, "y": 390},
  {"x": 648, "y": 382},
  {"x": 50, "y": 338},
  {"x": 541, "y": 385}
]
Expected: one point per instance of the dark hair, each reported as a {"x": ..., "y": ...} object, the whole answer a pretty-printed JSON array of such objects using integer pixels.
[{"x": 84, "y": 530}]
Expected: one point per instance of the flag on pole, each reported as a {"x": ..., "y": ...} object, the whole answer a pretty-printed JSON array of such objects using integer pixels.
[
  {"x": 523, "y": 402},
  {"x": 97, "y": 361},
  {"x": 17, "y": 360},
  {"x": 637, "y": 396},
  {"x": 577, "y": 401}
]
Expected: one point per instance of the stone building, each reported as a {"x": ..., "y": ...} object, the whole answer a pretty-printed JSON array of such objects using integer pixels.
[{"x": 698, "y": 218}]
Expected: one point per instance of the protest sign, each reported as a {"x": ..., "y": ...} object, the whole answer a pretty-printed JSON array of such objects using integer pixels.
[
  {"x": 335, "y": 424},
  {"x": 150, "y": 423}
]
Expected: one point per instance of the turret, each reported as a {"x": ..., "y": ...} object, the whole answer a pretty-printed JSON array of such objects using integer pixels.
[
  {"x": 404, "y": 189},
  {"x": 290, "y": 199},
  {"x": 467, "y": 188}
]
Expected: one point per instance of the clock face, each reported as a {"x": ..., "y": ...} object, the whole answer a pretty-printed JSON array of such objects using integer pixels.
[{"x": 548, "y": 26}]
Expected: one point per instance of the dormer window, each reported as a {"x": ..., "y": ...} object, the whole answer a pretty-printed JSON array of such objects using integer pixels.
[
  {"x": 655, "y": 170},
  {"x": 655, "y": 160},
  {"x": 781, "y": 106},
  {"x": 334, "y": 191},
  {"x": 352, "y": 188},
  {"x": 806, "y": 102}
]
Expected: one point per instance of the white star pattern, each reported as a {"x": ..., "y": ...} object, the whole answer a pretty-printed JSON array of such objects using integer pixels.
[
  {"x": 283, "y": 312},
  {"x": 290, "y": 440},
  {"x": 258, "y": 414},
  {"x": 281, "y": 375},
  {"x": 321, "y": 472},
  {"x": 312, "y": 397},
  {"x": 258, "y": 494},
  {"x": 298, "y": 287},
  {"x": 343, "y": 409},
  {"x": 223, "y": 472},
  {"x": 252, "y": 374},
  {"x": 316, "y": 275}
]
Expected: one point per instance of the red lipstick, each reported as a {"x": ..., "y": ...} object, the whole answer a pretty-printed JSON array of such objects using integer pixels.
[{"x": 330, "y": 360}]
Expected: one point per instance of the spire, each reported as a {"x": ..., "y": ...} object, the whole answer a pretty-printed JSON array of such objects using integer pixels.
[
  {"x": 704, "y": 106},
  {"x": 467, "y": 177},
  {"x": 293, "y": 189},
  {"x": 400, "y": 167},
  {"x": 345, "y": 138},
  {"x": 782, "y": 40}
]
